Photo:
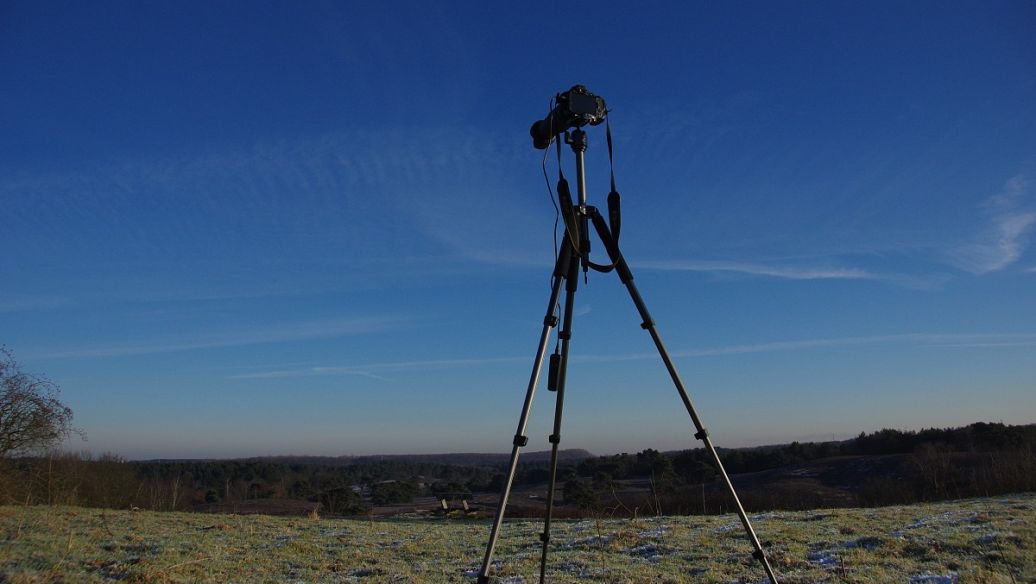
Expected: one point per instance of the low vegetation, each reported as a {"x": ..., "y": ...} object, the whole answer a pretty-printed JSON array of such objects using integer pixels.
[{"x": 989, "y": 540}]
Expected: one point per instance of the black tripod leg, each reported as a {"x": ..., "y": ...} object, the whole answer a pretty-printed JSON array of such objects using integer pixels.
[
  {"x": 565, "y": 334},
  {"x": 702, "y": 434},
  {"x": 561, "y": 269}
]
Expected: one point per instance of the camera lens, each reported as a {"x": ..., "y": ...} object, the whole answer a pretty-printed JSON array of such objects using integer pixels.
[{"x": 541, "y": 134}]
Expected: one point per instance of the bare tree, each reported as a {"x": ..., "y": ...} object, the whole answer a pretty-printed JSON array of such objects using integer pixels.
[{"x": 31, "y": 416}]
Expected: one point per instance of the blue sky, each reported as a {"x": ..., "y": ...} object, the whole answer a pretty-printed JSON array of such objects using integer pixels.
[{"x": 235, "y": 229}]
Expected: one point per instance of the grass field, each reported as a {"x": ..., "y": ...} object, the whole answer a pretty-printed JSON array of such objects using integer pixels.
[{"x": 975, "y": 540}]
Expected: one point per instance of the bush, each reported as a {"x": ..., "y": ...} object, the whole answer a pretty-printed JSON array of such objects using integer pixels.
[
  {"x": 578, "y": 492},
  {"x": 393, "y": 492}
]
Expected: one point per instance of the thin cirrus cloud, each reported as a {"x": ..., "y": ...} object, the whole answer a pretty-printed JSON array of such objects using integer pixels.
[
  {"x": 757, "y": 269},
  {"x": 947, "y": 340},
  {"x": 1008, "y": 219},
  {"x": 1005, "y": 234},
  {"x": 279, "y": 333},
  {"x": 919, "y": 339},
  {"x": 365, "y": 370},
  {"x": 29, "y": 303},
  {"x": 348, "y": 179},
  {"x": 914, "y": 339}
]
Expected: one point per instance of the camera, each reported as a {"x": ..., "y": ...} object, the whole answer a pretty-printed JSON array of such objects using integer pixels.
[{"x": 575, "y": 108}]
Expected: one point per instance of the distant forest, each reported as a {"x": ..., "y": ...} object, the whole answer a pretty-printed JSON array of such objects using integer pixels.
[{"x": 932, "y": 464}]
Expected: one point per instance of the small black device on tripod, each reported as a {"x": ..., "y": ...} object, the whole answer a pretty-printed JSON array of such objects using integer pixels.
[{"x": 574, "y": 109}]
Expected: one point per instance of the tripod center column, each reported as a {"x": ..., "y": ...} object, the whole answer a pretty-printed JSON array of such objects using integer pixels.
[{"x": 577, "y": 140}]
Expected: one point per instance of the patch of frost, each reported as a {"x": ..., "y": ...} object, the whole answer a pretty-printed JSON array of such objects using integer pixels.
[
  {"x": 655, "y": 532},
  {"x": 867, "y": 543},
  {"x": 581, "y": 570},
  {"x": 995, "y": 536},
  {"x": 729, "y": 527},
  {"x": 588, "y": 541},
  {"x": 927, "y": 578},
  {"x": 648, "y": 551},
  {"x": 823, "y": 558}
]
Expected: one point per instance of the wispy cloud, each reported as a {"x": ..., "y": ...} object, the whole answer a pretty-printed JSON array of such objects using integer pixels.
[
  {"x": 759, "y": 269},
  {"x": 26, "y": 303},
  {"x": 366, "y": 369},
  {"x": 1003, "y": 239},
  {"x": 329, "y": 192},
  {"x": 948, "y": 340},
  {"x": 918, "y": 339},
  {"x": 278, "y": 333},
  {"x": 926, "y": 339}
]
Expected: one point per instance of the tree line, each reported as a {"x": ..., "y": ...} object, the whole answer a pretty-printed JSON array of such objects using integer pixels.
[
  {"x": 110, "y": 481},
  {"x": 931, "y": 464},
  {"x": 696, "y": 465},
  {"x": 980, "y": 459}
]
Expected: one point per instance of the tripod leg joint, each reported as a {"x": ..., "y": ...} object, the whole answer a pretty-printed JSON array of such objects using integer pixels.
[
  {"x": 545, "y": 537},
  {"x": 758, "y": 554},
  {"x": 554, "y": 438},
  {"x": 564, "y": 335},
  {"x": 647, "y": 324},
  {"x": 520, "y": 440},
  {"x": 483, "y": 580},
  {"x": 702, "y": 434},
  {"x": 550, "y": 320}
]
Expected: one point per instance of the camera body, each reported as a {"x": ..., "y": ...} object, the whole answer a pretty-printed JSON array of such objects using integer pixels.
[{"x": 575, "y": 108}]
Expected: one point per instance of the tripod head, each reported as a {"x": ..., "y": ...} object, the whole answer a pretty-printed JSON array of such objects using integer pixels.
[{"x": 575, "y": 108}]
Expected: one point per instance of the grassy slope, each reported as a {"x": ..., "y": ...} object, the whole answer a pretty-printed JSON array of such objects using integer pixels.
[{"x": 977, "y": 540}]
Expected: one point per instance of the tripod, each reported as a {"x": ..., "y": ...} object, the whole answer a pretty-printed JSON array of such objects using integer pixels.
[{"x": 575, "y": 251}]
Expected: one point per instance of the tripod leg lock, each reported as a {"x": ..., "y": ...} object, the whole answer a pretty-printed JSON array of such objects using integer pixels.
[
  {"x": 483, "y": 580},
  {"x": 702, "y": 434},
  {"x": 550, "y": 320},
  {"x": 554, "y": 438},
  {"x": 545, "y": 537},
  {"x": 520, "y": 440},
  {"x": 647, "y": 324},
  {"x": 758, "y": 554},
  {"x": 564, "y": 335}
]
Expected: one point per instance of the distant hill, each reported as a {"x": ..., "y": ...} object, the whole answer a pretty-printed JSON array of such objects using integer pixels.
[{"x": 571, "y": 455}]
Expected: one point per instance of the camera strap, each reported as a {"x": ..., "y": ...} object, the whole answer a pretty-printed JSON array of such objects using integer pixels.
[
  {"x": 614, "y": 212},
  {"x": 568, "y": 210}
]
